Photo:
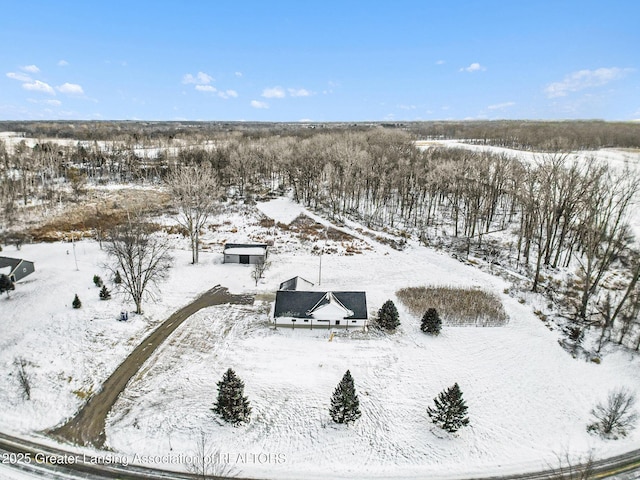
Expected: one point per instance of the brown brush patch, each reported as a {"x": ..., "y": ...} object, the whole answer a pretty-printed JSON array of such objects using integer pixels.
[{"x": 456, "y": 306}]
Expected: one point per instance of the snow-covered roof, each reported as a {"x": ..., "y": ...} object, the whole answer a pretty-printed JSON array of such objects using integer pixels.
[
  {"x": 295, "y": 283},
  {"x": 245, "y": 251}
]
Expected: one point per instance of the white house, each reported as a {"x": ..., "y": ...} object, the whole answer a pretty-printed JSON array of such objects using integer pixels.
[{"x": 306, "y": 309}]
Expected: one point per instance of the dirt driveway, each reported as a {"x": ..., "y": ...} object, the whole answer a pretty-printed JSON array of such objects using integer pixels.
[{"x": 87, "y": 426}]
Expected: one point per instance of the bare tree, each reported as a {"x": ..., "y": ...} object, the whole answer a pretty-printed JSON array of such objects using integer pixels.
[
  {"x": 615, "y": 418},
  {"x": 581, "y": 469},
  {"x": 142, "y": 257},
  {"x": 196, "y": 191},
  {"x": 259, "y": 268},
  {"x": 205, "y": 462},
  {"x": 23, "y": 378}
]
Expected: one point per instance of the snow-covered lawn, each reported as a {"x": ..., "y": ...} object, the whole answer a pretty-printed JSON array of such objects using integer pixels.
[{"x": 528, "y": 399}]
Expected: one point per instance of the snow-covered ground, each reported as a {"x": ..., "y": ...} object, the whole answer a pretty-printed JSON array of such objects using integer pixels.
[{"x": 528, "y": 400}]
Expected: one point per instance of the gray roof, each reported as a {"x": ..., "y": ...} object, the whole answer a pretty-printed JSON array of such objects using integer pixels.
[
  {"x": 19, "y": 268},
  {"x": 294, "y": 283},
  {"x": 296, "y": 303}
]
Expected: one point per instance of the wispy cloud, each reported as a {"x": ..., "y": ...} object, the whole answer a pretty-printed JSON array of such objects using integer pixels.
[
  {"x": 440, "y": 62},
  {"x": 474, "y": 67},
  {"x": 206, "y": 88},
  {"x": 259, "y": 104},
  {"x": 407, "y": 107},
  {"x": 299, "y": 92},
  {"x": 63, "y": 63},
  {"x": 274, "y": 92},
  {"x": 38, "y": 86},
  {"x": 228, "y": 94},
  {"x": 501, "y": 106},
  {"x": 70, "y": 89},
  {"x": 30, "y": 69},
  {"x": 21, "y": 77},
  {"x": 200, "y": 78},
  {"x": 583, "y": 79},
  {"x": 238, "y": 74},
  {"x": 51, "y": 102}
]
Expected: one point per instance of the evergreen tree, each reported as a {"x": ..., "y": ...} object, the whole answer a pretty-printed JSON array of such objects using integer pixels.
[
  {"x": 231, "y": 404},
  {"x": 97, "y": 280},
  {"x": 388, "y": 316},
  {"x": 117, "y": 279},
  {"x": 76, "y": 302},
  {"x": 104, "y": 293},
  {"x": 450, "y": 410},
  {"x": 345, "y": 406},
  {"x": 431, "y": 322}
]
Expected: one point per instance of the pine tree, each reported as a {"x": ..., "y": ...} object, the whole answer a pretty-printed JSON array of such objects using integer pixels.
[
  {"x": 431, "y": 322},
  {"x": 345, "y": 406},
  {"x": 117, "y": 279},
  {"x": 97, "y": 280},
  {"x": 450, "y": 410},
  {"x": 104, "y": 293},
  {"x": 76, "y": 302},
  {"x": 388, "y": 316},
  {"x": 231, "y": 404}
]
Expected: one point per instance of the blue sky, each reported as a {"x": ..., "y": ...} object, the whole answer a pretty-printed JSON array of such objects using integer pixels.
[{"x": 319, "y": 61}]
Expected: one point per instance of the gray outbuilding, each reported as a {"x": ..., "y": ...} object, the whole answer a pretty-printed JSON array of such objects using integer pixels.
[
  {"x": 17, "y": 268},
  {"x": 245, "y": 253}
]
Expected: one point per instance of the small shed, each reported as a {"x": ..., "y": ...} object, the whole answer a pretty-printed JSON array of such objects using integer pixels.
[
  {"x": 245, "y": 253},
  {"x": 17, "y": 268},
  {"x": 296, "y": 308},
  {"x": 295, "y": 283}
]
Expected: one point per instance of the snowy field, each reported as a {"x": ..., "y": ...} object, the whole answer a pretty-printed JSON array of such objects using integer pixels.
[{"x": 528, "y": 399}]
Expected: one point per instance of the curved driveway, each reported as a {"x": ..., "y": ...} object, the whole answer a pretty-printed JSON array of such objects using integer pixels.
[{"x": 87, "y": 426}]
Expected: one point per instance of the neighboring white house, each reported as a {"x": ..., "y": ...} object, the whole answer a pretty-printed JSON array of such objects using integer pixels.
[
  {"x": 306, "y": 309},
  {"x": 245, "y": 253}
]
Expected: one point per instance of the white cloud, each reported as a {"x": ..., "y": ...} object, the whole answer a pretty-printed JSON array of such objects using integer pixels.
[
  {"x": 474, "y": 67},
  {"x": 38, "y": 86},
  {"x": 21, "y": 77},
  {"x": 63, "y": 63},
  {"x": 52, "y": 102},
  {"x": 30, "y": 69},
  {"x": 440, "y": 62},
  {"x": 501, "y": 106},
  {"x": 275, "y": 92},
  {"x": 407, "y": 107},
  {"x": 228, "y": 94},
  {"x": 300, "y": 92},
  {"x": 258, "y": 104},
  {"x": 200, "y": 78},
  {"x": 238, "y": 74},
  {"x": 206, "y": 88},
  {"x": 583, "y": 79},
  {"x": 70, "y": 89}
]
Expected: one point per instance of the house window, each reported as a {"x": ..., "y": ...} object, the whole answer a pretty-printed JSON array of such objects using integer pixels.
[
  {"x": 337, "y": 322},
  {"x": 353, "y": 321},
  {"x": 306, "y": 320}
]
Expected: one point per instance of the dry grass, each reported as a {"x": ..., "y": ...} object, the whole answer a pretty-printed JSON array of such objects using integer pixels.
[
  {"x": 109, "y": 209},
  {"x": 456, "y": 306}
]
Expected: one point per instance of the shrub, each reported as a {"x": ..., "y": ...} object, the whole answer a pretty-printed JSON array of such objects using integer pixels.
[
  {"x": 97, "y": 280},
  {"x": 104, "y": 293},
  {"x": 616, "y": 417},
  {"x": 76, "y": 302}
]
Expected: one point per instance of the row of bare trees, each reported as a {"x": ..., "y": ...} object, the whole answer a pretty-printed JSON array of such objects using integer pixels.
[{"x": 557, "y": 211}]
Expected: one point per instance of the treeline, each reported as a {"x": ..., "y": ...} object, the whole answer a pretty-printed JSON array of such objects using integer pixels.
[
  {"x": 551, "y": 213},
  {"x": 558, "y": 136},
  {"x": 548, "y": 136}
]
